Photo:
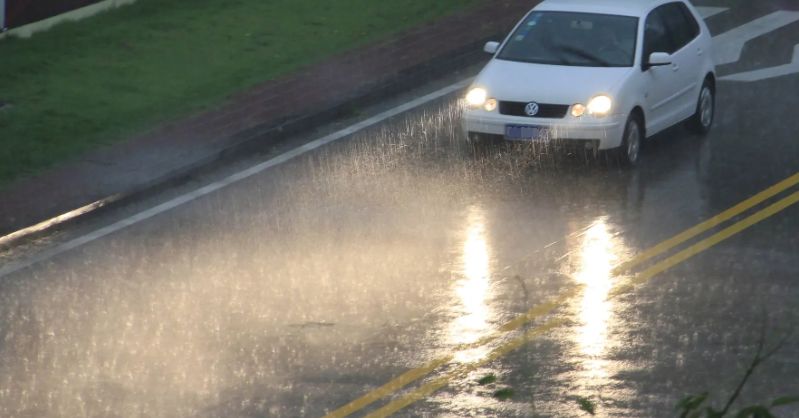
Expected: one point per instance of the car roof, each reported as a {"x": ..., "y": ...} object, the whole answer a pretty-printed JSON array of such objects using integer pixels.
[{"x": 638, "y": 8}]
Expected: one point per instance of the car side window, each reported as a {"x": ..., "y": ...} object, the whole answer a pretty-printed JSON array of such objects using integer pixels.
[
  {"x": 656, "y": 37},
  {"x": 693, "y": 25},
  {"x": 678, "y": 25}
]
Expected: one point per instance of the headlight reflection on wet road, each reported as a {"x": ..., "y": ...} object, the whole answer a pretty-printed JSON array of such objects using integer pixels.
[
  {"x": 473, "y": 290},
  {"x": 599, "y": 252}
]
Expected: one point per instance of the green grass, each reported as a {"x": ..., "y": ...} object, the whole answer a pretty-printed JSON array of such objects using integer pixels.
[
  {"x": 103, "y": 79},
  {"x": 504, "y": 394},
  {"x": 487, "y": 379},
  {"x": 586, "y": 405}
]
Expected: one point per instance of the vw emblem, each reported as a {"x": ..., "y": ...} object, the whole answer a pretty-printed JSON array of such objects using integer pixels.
[{"x": 531, "y": 109}]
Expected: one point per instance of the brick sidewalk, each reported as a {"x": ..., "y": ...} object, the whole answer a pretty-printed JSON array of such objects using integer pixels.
[{"x": 261, "y": 116}]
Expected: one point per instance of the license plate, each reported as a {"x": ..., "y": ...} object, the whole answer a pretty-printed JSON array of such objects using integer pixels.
[{"x": 525, "y": 132}]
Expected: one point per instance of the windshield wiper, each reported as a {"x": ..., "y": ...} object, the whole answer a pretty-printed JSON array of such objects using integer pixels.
[{"x": 584, "y": 54}]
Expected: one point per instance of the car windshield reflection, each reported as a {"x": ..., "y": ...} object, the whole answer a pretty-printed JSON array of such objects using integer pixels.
[{"x": 573, "y": 39}]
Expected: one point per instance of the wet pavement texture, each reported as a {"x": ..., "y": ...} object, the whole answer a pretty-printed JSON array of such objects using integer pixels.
[{"x": 300, "y": 289}]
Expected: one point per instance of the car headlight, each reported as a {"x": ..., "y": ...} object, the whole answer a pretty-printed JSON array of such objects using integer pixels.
[
  {"x": 600, "y": 105},
  {"x": 476, "y": 97},
  {"x": 578, "y": 110}
]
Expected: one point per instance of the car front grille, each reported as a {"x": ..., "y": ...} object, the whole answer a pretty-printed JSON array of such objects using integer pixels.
[{"x": 552, "y": 111}]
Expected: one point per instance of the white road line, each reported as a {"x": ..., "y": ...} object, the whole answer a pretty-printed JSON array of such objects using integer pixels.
[
  {"x": 728, "y": 46},
  {"x": 766, "y": 73},
  {"x": 707, "y": 12},
  {"x": 210, "y": 188}
]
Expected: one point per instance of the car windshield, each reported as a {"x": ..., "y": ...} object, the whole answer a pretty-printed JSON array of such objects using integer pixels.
[{"x": 573, "y": 39}]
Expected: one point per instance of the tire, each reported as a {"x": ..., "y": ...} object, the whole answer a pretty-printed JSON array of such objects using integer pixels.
[
  {"x": 630, "y": 149},
  {"x": 702, "y": 120}
]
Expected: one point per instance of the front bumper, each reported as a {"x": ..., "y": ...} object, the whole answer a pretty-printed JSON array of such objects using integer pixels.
[{"x": 606, "y": 131}]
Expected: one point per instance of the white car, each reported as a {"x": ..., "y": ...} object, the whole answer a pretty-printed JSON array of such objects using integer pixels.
[{"x": 603, "y": 73}]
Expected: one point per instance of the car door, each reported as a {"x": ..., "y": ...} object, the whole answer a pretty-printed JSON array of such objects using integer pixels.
[
  {"x": 686, "y": 59},
  {"x": 661, "y": 82}
]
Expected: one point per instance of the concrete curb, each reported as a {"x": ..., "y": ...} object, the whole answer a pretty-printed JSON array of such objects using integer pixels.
[{"x": 26, "y": 31}]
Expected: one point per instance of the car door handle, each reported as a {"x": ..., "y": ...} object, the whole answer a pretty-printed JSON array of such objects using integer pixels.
[
  {"x": 675, "y": 67},
  {"x": 699, "y": 51}
]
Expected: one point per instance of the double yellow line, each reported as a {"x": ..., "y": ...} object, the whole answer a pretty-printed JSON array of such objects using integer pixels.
[{"x": 544, "y": 309}]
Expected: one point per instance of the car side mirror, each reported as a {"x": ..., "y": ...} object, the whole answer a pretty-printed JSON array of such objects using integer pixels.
[
  {"x": 658, "y": 59},
  {"x": 491, "y": 47}
]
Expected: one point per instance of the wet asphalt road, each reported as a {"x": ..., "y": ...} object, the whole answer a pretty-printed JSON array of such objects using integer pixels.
[{"x": 302, "y": 288}]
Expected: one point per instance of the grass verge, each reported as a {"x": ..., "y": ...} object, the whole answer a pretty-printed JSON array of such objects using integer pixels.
[{"x": 101, "y": 80}]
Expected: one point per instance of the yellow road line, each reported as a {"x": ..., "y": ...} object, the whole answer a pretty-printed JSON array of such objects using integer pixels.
[
  {"x": 714, "y": 239},
  {"x": 460, "y": 372},
  {"x": 645, "y": 276},
  {"x": 414, "y": 374},
  {"x": 541, "y": 310},
  {"x": 708, "y": 224},
  {"x": 535, "y": 312},
  {"x": 394, "y": 385}
]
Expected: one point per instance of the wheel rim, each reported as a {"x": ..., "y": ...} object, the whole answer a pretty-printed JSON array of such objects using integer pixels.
[
  {"x": 706, "y": 107},
  {"x": 633, "y": 141}
]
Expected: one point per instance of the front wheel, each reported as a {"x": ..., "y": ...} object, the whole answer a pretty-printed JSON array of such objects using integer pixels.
[
  {"x": 702, "y": 120},
  {"x": 630, "y": 147}
]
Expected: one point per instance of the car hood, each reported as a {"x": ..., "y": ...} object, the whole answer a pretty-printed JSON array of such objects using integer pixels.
[{"x": 555, "y": 84}]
